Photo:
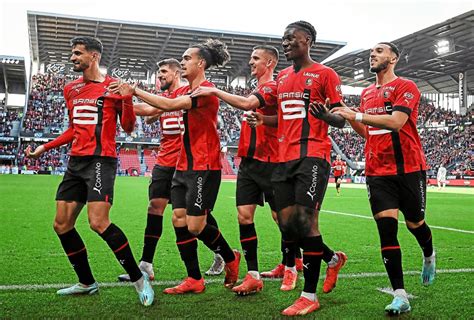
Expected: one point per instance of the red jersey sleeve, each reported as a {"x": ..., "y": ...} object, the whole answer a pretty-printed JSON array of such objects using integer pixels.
[
  {"x": 266, "y": 94},
  {"x": 68, "y": 135},
  {"x": 128, "y": 117},
  {"x": 407, "y": 97},
  {"x": 332, "y": 88}
]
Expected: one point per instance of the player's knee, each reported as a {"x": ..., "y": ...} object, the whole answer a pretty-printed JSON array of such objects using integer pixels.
[
  {"x": 156, "y": 207},
  {"x": 195, "y": 230},
  {"x": 99, "y": 226},
  {"x": 61, "y": 227}
]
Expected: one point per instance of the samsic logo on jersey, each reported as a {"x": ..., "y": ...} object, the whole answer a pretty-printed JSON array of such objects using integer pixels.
[
  {"x": 380, "y": 110},
  {"x": 84, "y": 101},
  {"x": 294, "y": 95}
]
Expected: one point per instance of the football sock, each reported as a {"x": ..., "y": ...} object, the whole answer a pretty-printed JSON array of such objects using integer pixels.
[
  {"x": 328, "y": 254},
  {"x": 118, "y": 242},
  {"x": 290, "y": 248},
  {"x": 77, "y": 255},
  {"x": 249, "y": 242},
  {"x": 187, "y": 246},
  {"x": 153, "y": 231},
  {"x": 312, "y": 256},
  {"x": 423, "y": 236},
  {"x": 213, "y": 239},
  {"x": 391, "y": 253}
]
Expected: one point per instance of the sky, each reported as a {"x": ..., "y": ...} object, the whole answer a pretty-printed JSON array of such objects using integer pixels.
[{"x": 360, "y": 24}]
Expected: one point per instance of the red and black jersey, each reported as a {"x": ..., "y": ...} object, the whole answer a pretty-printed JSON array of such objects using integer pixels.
[
  {"x": 261, "y": 143},
  {"x": 388, "y": 152},
  {"x": 93, "y": 115},
  {"x": 299, "y": 133},
  {"x": 200, "y": 147},
  {"x": 171, "y": 124},
  {"x": 339, "y": 167}
]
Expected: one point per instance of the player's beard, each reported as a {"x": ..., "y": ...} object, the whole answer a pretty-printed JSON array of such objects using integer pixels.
[
  {"x": 380, "y": 67},
  {"x": 80, "y": 67},
  {"x": 165, "y": 86}
]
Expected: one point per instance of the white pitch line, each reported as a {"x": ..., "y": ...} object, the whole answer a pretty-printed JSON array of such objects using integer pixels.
[
  {"x": 29, "y": 287},
  {"x": 401, "y": 222}
]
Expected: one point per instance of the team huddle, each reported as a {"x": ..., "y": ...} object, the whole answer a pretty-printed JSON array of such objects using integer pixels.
[{"x": 285, "y": 151}]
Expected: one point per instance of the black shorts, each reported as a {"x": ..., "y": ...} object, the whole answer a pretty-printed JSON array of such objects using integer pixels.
[
  {"x": 160, "y": 183},
  {"x": 254, "y": 183},
  {"x": 302, "y": 181},
  {"x": 87, "y": 179},
  {"x": 405, "y": 192},
  {"x": 336, "y": 178},
  {"x": 196, "y": 191}
]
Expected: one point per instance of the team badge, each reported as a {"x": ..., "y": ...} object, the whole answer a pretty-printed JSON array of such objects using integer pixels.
[
  {"x": 408, "y": 95},
  {"x": 386, "y": 94},
  {"x": 309, "y": 81}
]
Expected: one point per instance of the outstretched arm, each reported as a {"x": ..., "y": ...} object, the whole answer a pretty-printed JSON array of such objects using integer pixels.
[
  {"x": 243, "y": 103},
  {"x": 162, "y": 103}
]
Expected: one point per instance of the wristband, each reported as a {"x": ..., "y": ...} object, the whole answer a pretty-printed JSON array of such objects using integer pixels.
[{"x": 359, "y": 117}]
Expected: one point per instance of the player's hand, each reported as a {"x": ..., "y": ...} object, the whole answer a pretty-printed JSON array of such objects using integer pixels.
[
  {"x": 35, "y": 154},
  {"x": 319, "y": 110},
  {"x": 345, "y": 112},
  {"x": 254, "y": 119},
  {"x": 203, "y": 92}
]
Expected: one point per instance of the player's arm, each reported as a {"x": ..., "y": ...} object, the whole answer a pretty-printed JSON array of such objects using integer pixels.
[
  {"x": 255, "y": 119},
  {"x": 162, "y": 103},
  {"x": 128, "y": 117},
  {"x": 65, "y": 138},
  {"x": 393, "y": 122},
  {"x": 349, "y": 114},
  {"x": 243, "y": 103},
  {"x": 145, "y": 110}
]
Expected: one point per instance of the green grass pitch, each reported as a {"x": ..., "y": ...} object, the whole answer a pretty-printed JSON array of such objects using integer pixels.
[{"x": 30, "y": 254}]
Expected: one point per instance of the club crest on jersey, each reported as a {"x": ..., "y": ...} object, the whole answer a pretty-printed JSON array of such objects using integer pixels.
[
  {"x": 283, "y": 79},
  {"x": 267, "y": 89},
  {"x": 309, "y": 82},
  {"x": 408, "y": 95},
  {"x": 386, "y": 94}
]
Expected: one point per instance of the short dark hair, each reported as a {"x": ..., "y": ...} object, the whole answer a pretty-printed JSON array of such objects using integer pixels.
[
  {"x": 306, "y": 27},
  {"x": 169, "y": 62},
  {"x": 393, "y": 47},
  {"x": 90, "y": 43},
  {"x": 214, "y": 52},
  {"x": 270, "y": 49}
]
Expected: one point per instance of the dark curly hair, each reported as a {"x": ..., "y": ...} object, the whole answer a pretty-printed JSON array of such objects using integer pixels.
[
  {"x": 306, "y": 27},
  {"x": 214, "y": 52}
]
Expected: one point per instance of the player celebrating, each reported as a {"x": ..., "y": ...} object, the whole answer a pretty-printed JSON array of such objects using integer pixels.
[
  {"x": 91, "y": 169},
  {"x": 169, "y": 75},
  {"x": 301, "y": 177},
  {"x": 258, "y": 148},
  {"x": 339, "y": 168},
  {"x": 198, "y": 174},
  {"x": 395, "y": 166}
]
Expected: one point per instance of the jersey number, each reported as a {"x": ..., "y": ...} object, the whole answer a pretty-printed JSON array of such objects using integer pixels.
[
  {"x": 173, "y": 125},
  {"x": 293, "y": 109},
  {"x": 88, "y": 112}
]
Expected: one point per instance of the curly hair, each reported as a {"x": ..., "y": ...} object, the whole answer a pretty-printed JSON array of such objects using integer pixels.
[
  {"x": 306, "y": 27},
  {"x": 214, "y": 52}
]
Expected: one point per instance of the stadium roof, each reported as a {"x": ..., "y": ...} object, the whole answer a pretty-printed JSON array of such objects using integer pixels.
[
  {"x": 12, "y": 74},
  {"x": 138, "y": 46},
  {"x": 431, "y": 71}
]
